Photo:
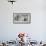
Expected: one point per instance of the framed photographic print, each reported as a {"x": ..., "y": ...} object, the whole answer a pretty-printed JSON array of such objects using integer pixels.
[{"x": 21, "y": 18}]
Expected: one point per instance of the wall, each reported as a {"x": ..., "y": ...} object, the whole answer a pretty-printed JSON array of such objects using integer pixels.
[{"x": 37, "y": 28}]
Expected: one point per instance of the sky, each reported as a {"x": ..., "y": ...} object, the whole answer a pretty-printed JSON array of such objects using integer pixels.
[{"x": 37, "y": 27}]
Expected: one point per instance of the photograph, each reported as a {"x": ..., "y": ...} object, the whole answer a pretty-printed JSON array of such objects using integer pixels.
[
  {"x": 22, "y": 22},
  {"x": 21, "y": 18}
]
